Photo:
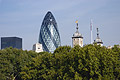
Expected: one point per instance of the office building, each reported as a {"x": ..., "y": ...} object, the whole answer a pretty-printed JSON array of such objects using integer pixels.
[
  {"x": 14, "y": 42},
  {"x": 49, "y": 35},
  {"x": 37, "y": 47}
]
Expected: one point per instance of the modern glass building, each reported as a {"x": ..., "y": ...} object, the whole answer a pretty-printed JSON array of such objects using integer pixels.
[
  {"x": 14, "y": 42},
  {"x": 49, "y": 35}
]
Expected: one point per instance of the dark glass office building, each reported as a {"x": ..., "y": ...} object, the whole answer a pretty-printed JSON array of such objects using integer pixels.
[
  {"x": 14, "y": 42},
  {"x": 49, "y": 35}
]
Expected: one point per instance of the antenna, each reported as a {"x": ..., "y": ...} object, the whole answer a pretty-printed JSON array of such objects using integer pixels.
[{"x": 91, "y": 37}]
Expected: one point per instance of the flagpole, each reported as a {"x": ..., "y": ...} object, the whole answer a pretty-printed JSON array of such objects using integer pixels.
[{"x": 91, "y": 31}]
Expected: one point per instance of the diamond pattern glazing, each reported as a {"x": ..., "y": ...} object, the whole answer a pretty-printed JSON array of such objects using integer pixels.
[{"x": 49, "y": 35}]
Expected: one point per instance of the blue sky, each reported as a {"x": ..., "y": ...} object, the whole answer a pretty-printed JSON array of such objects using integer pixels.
[{"x": 23, "y": 18}]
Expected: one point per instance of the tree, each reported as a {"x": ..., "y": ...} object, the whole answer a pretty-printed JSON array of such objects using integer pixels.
[
  {"x": 12, "y": 60},
  {"x": 91, "y": 62}
]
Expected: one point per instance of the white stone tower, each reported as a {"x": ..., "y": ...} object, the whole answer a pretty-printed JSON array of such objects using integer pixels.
[
  {"x": 77, "y": 38},
  {"x": 98, "y": 40}
]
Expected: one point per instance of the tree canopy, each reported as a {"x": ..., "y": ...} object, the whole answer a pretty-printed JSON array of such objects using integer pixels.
[{"x": 91, "y": 62}]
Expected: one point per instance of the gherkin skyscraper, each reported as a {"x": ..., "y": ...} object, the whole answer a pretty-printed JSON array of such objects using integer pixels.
[{"x": 49, "y": 35}]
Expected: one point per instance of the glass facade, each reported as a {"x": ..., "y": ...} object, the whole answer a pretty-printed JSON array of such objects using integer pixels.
[
  {"x": 49, "y": 35},
  {"x": 14, "y": 42}
]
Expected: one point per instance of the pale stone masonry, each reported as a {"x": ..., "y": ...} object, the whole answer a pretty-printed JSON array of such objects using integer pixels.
[{"x": 77, "y": 38}]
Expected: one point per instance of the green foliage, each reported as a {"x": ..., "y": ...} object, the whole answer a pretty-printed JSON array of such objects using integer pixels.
[
  {"x": 11, "y": 62},
  {"x": 91, "y": 62}
]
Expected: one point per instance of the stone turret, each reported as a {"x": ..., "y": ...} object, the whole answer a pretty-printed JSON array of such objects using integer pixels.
[
  {"x": 77, "y": 38},
  {"x": 98, "y": 40}
]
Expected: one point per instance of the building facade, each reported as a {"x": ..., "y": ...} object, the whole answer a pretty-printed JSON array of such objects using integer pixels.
[
  {"x": 14, "y": 42},
  {"x": 77, "y": 38},
  {"x": 49, "y": 35},
  {"x": 37, "y": 47}
]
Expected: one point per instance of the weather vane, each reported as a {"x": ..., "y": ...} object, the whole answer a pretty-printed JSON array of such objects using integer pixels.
[{"x": 77, "y": 24}]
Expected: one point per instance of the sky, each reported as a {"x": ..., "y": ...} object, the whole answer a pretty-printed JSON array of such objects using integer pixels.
[{"x": 23, "y": 18}]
